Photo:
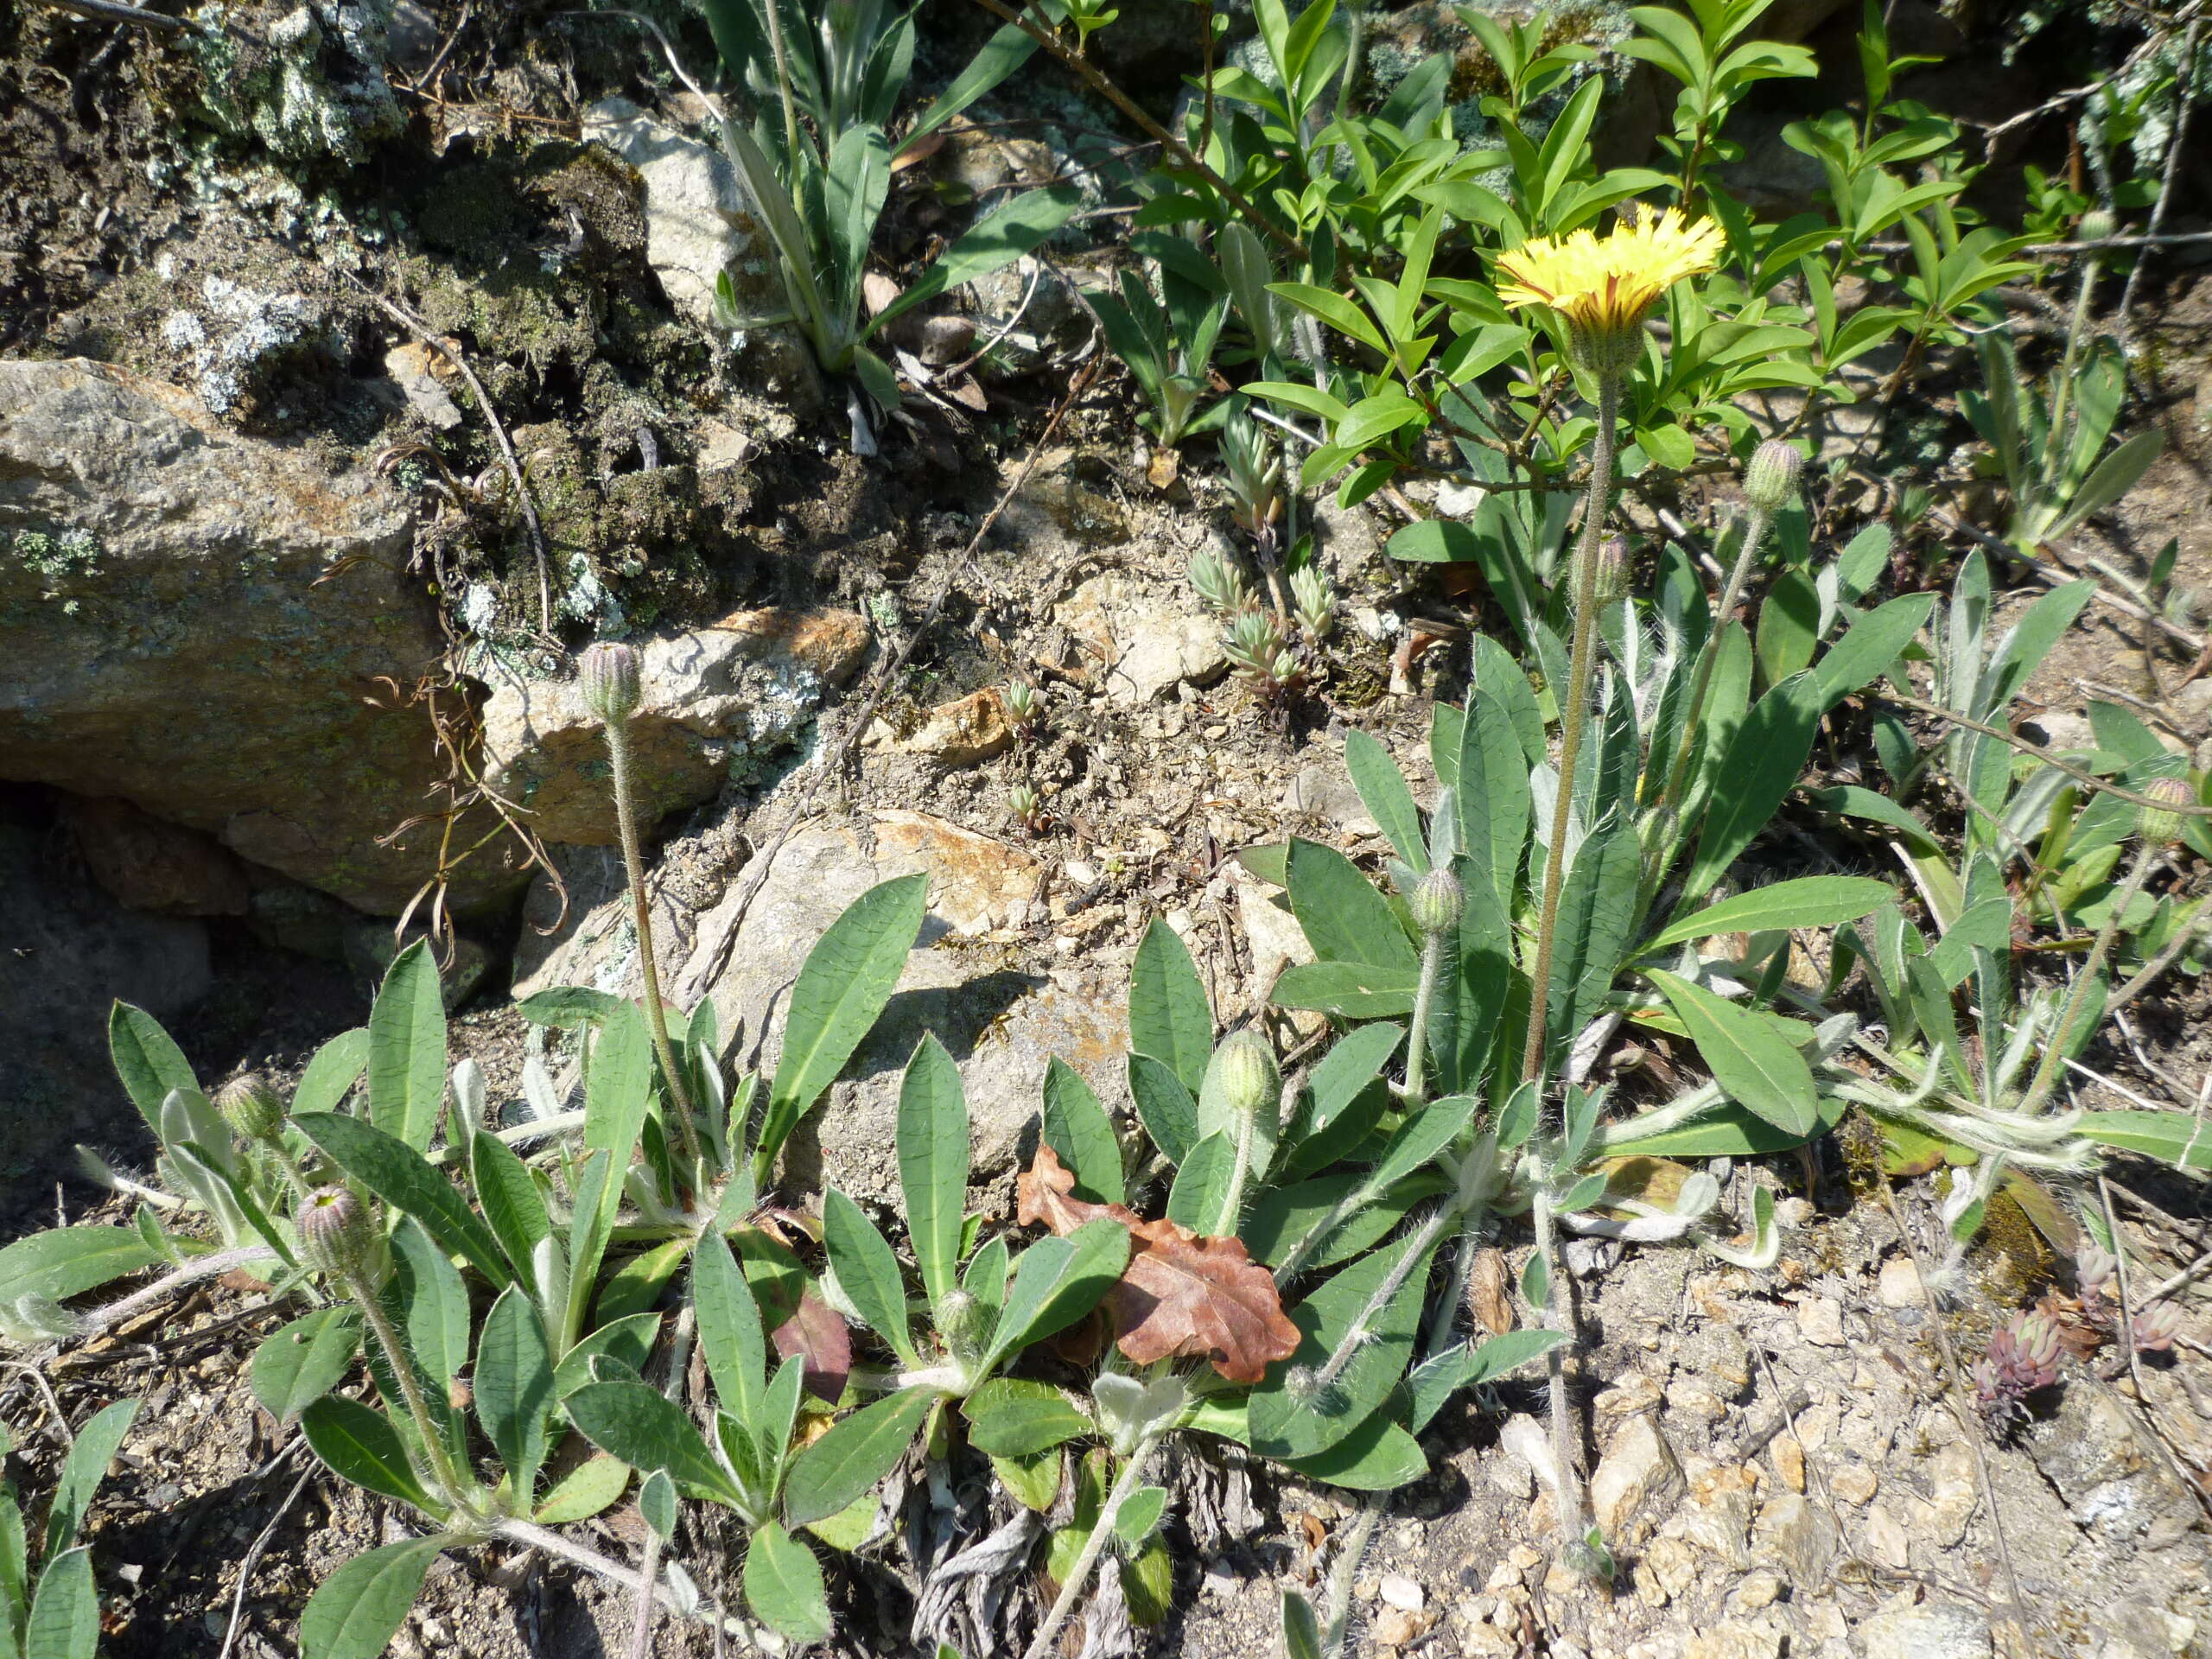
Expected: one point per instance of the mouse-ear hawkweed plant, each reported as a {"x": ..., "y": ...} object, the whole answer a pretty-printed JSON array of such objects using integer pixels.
[{"x": 1602, "y": 289}]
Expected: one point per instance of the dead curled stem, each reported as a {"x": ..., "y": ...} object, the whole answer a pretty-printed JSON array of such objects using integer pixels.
[{"x": 96, "y": 1320}]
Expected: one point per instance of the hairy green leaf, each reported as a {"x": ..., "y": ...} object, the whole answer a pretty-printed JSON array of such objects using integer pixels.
[{"x": 848, "y": 977}]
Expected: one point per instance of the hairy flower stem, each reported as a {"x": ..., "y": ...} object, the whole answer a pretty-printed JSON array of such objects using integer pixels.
[
  {"x": 294, "y": 1175},
  {"x": 1574, "y": 1519},
  {"x": 679, "y": 1362},
  {"x": 1756, "y": 524},
  {"x": 2148, "y": 856},
  {"x": 1349, "y": 1552},
  {"x": 1443, "y": 1316},
  {"x": 1355, "y": 1335},
  {"x": 533, "y": 1537},
  {"x": 1046, "y": 1641},
  {"x": 410, "y": 1391},
  {"x": 1574, "y": 711},
  {"x": 1435, "y": 958},
  {"x": 1232, "y": 1198},
  {"x": 633, "y": 861},
  {"x": 641, "y": 1630}
]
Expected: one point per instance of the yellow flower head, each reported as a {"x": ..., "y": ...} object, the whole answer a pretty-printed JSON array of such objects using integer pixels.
[{"x": 1604, "y": 286}]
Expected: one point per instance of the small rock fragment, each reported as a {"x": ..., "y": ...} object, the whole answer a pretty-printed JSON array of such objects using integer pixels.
[
  {"x": 1941, "y": 1630},
  {"x": 973, "y": 728},
  {"x": 1819, "y": 1321},
  {"x": 1853, "y": 1483},
  {"x": 1899, "y": 1284},
  {"x": 1637, "y": 1473},
  {"x": 1402, "y": 1592},
  {"x": 1788, "y": 1461}
]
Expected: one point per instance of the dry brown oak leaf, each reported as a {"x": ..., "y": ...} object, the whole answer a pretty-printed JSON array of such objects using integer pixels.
[{"x": 1184, "y": 1294}]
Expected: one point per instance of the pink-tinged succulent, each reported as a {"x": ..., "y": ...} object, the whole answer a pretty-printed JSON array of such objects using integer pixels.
[
  {"x": 2156, "y": 1328},
  {"x": 2022, "y": 1358}
]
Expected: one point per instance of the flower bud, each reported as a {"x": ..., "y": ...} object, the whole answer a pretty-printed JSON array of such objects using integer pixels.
[
  {"x": 609, "y": 675},
  {"x": 966, "y": 1324},
  {"x": 2096, "y": 225},
  {"x": 250, "y": 1106},
  {"x": 337, "y": 1234},
  {"x": 1437, "y": 902},
  {"x": 1771, "y": 479},
  {"x": 1244, "y": 1070},
  {"x": 1611, "y": 584},
  {"x": 2157, "y": 825}
]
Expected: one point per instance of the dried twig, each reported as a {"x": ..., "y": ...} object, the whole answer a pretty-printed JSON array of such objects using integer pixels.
[
  {"x": 254, "y": 1552},
  {"x": 2185, "y": 99},
  {"x": 2044, "y": 573},
  {"x": 2049, "y": 756},
  {"x": 114, "y": 11},
  {"x": 421, "y": 331}
]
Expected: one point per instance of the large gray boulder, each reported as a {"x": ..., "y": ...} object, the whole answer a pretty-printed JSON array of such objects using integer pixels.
[{"x": 221, "y": 631}]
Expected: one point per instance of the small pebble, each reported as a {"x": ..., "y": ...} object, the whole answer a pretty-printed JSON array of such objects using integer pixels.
[
  {"x": 1819, "y": 1321},
  {"x": 1402, "y": 1593},
  {"x": 1899, "y": 1284}
]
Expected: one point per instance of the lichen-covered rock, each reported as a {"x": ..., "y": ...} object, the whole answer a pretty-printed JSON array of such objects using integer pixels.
[
  {"x": 305, "y": 81},
  {"x": 215, "y": 629},
  {"x": 714, "y": 699},
  {"x": 231, "y": 337}
]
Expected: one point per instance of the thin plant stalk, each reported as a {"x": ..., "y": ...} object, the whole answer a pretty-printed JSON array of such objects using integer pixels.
[
  {"x": 633, "y": 862},
  {"x": 1573, "y": 1518},
  {"x": 1574, "y": 710},
  {"x": 2147, "y": 858},
  {"x": 1046, "y": 1641},
  {"x": 1757, "y": 521},
  {"x": 410, "y": 1391},
  {"x": 1436, "y": 954}
]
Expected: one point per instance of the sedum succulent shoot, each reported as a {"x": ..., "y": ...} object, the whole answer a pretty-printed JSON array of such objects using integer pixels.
[{"x": 2022, "y": 1358}]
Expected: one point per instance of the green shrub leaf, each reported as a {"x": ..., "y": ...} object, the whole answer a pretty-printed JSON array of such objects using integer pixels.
[
  {"x": 856, "y": 1453},
  {"x": 933, "y": 1164},
  {"x": 1170, "y": 1020},
  {"x": 355, "y": 1613},
  {"x": 1808, "y": 901},
  {"x": 295, "y": 1367},
  {"x": 359, "y": 1444},
  {"x": 783, "y": 1585}
]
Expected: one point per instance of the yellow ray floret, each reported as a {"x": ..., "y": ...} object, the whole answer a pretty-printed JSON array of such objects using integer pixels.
[{"x": 1606, "y": 284}]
